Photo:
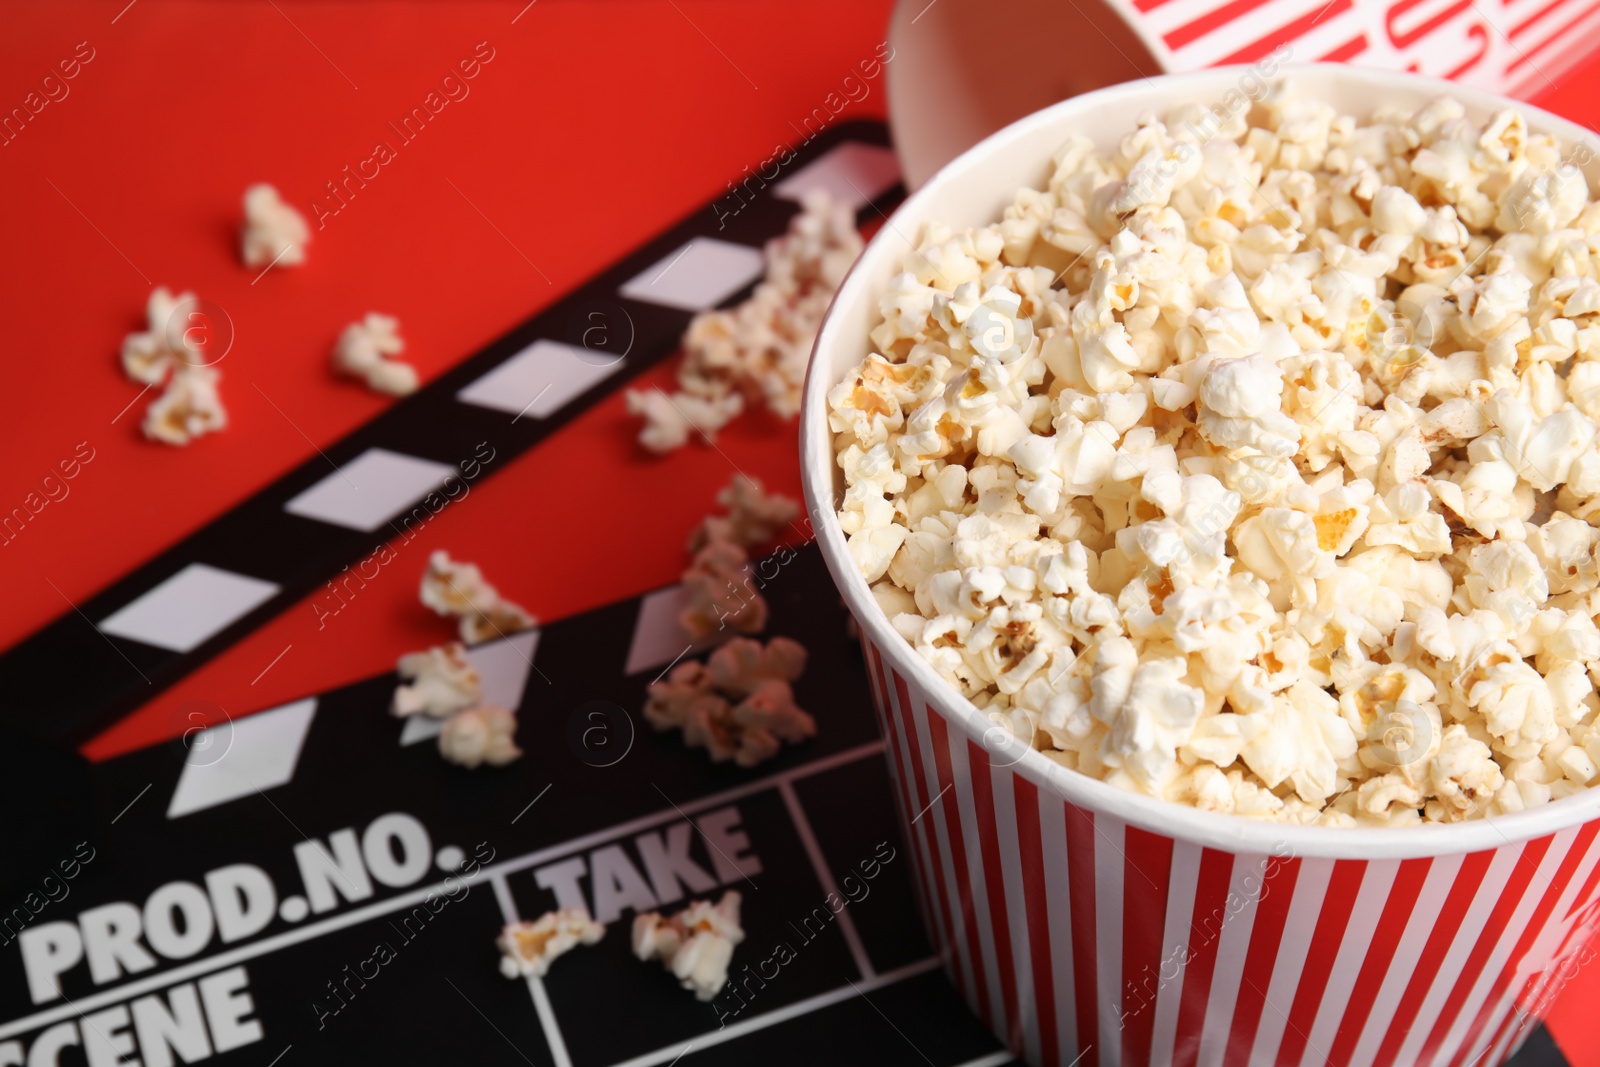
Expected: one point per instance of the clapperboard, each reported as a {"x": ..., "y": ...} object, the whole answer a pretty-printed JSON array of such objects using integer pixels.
[{"x": 313, "y": 884}]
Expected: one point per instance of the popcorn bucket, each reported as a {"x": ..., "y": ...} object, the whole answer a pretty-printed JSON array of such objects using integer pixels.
[
  {"x": 1088, "y": 925},
  {"x": 964, "y": 68}
]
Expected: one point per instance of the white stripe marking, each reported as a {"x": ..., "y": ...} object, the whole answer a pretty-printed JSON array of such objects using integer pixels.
[
  {"x": 851, "y": 173},
  {"x": 700, "y": 275},
  {"x": 189, "y": 608},
  {"x": 993, "y": 1059},
  {"x": 819, "y": 866},
  {"x": 897, "y": 778},
  {"x": 541, "y": 379},
  {"x": 541, "y": 1001},
  {"x": 241, "y": 756},
  {"x": 784, "y": 1014},
  {"x": 370, "y": 490}
]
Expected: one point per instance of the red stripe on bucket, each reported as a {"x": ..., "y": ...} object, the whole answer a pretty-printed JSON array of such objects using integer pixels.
[
  {"x": 939, "y": 741},
  {"x": 1080, "y": 871},
  {"x": 1343, "y": 884},
  {"x": 994, "y": 881},
  {"x": 1380, "y": 954},
  {"x": 1146, "y": 884},
  {"x": 1272, "y": 913},
  {"x": 1035, "y": 899},
  {"x": 931, "y": 847},
  {"x": 1527, "y": 863},
  {"x": 1541, "y": 913},
  {"x": 1467, "y": 880},
  {"x": 1284, "y": 34},
  {"x": 1205, "y": 933}
]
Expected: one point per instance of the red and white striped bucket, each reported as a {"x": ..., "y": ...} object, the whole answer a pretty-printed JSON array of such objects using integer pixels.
[
  {"x": 962, "y": 69},
  {"x": 1088, "y": 925}
]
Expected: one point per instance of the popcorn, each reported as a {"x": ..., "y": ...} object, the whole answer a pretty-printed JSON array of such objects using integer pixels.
[
  {"x": 738, "y": 705},
  {"x": 719, "y": 592},
  {"x": 696, "y": 944},
  {"x": 668, "y": 419},
  {"x": 529, "y": 948},
  {"x": 274, "y": 233},
  {"x": 149, "y": 357},
  {"x": 442, "y": 683},
  {"x": 480, "y": 735},
  {"x": 1263, "y": 478},
  {"x": 364, "y": 350},
  {"x": 1403, "y": 517},
  {"x": 740, "y": 666},
  {"x": 756, "y": 352},
  {"x": 459, "y": 589},
  {"x": 754, "y": 518},
  {"x": 190, "y": 405}
]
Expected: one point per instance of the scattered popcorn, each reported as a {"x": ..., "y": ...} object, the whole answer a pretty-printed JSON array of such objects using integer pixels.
[
  {"x": 754, "y": 518},
  {"x": 459, "y": 589},
  {"x": 529, "y": 948},
  {"x": 759, "y": 350},
  {"x": 442, "y": 683},
  {"x": 190, "y": 405},
  {"x": 696, "y": 944},
  {"x": 365, "y": 350},
  {"x": 149, "y": 357},
  {"x": 481, "y": 735},
  {"x": 669, "y": 419},
  {"x": 274, "y": 233},
  {"x": 738, "y": 705},
  {"x": 1255, "y": 471},
  {"x": 720, "y": 593}
]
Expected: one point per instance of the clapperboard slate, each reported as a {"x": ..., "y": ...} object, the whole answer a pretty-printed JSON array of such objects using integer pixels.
[{"x": 313, "y": 884}]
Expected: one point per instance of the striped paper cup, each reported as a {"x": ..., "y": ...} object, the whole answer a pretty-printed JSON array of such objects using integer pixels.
[
  {"x": 962, "y": 69},
  {"x": 1088, "y": 925}
]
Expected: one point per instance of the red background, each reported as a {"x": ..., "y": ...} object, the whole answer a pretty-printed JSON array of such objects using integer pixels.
[{"x": 595, "y": 125}]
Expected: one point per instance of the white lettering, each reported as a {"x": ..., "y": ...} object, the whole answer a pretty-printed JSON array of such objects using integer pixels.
[
  {"x": 327, "y": 877},
  {"x": 379, "y": 842}
]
